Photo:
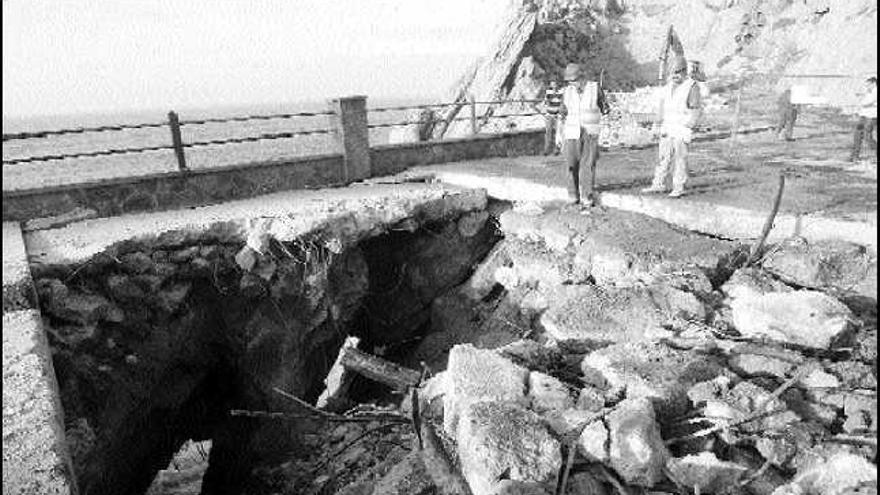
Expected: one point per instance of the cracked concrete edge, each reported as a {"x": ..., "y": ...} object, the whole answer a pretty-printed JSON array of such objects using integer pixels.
[
  {"x": 740, "y": 223},
  {"x": 723, "y": 221},
  {"x": 347, "y": 213},
  {"x": 15, "y": 266},
  {"x": 35, "y": 455}
]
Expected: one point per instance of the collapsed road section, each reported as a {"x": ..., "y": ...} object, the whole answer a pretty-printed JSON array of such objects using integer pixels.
[
  {"x": 160, "y": 324},
  {"x": 483, "y": 346},
  {"x": 601, "y": 351}
]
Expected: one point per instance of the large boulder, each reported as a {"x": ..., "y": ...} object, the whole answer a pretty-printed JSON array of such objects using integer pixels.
[{"x": 503, "y": 440}]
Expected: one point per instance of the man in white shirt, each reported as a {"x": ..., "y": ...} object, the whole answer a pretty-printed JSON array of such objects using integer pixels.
[
  {"x": 678, "y": 111},
  {"x": 583, "y": 103},
  {"x": 867, "y": 120}
]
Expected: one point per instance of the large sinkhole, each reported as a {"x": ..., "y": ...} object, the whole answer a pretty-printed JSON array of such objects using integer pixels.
[{"x": 154, "y": 343}]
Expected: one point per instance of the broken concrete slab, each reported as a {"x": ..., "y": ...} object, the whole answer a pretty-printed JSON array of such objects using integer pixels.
[
  {"x": 740, "y": 223},
  {"x": 338, "y": 380},
  {"x": 592, "y": 443},
  {"x": 316, "y": 288},
  {"x": 705, "y": 471},
  {"x": 824, "y": 265},
  {"x": 841, "y": 473},
  {"x": 750, "y": 281},
  {"x": 345, "y": 214},
  {"x": 781, "y": 448},
  {"x": 636, "y": 451},
  {"x": 606, "y": 315},
  {"x": 475, "y": 375},
  {"x": 750, "y": 360},
  {"x": 654, "y": 371},
  {"x": 860, "y": 410},
  {"x": 746, "y": 399},
  {"x": 548, "y": 393},
  {"x": 502, "y": 439},
  {"x": 620, "y": 247},
  {"x": 535, "y": 265},
  {"x": 804, "y": 317}
]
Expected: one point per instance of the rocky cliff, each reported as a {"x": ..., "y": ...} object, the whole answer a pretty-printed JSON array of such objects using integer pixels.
[{"x": 735, "y": 40}]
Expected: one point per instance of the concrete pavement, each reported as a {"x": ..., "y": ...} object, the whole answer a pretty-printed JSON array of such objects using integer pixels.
[{"x": 730, "y": 192}]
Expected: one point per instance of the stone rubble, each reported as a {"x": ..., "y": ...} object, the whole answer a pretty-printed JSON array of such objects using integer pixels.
[
  {"x": 667, "y": 374},
  {"x": 649, "y": 353}
]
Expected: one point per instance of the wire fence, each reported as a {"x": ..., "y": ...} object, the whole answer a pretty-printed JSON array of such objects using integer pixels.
[
  {"x": 484, "y": 117},
  {"x": 174, "y": 124}
]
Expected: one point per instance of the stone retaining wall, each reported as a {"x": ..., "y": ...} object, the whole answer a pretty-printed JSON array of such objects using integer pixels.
[{"x": 60, "y": 205}]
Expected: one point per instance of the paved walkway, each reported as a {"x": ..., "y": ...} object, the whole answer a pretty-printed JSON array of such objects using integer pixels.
[{"x": 731, "y": 190}]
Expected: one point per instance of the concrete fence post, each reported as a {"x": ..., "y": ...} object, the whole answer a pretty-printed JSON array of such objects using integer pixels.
[{"x": 350, "y": 122}]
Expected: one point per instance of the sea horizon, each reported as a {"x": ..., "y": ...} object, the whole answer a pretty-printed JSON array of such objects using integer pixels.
[{"x": 46, "y": 122}]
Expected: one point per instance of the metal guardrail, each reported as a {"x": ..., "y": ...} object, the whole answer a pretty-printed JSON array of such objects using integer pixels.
[
  {"x": 178, "y": 145},
  {"x": 174, "y": 124}
]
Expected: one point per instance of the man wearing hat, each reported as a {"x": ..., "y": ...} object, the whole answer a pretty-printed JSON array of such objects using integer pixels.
[
  {"x": 867, "y": 120},
  {"x": 583, "y": 103},
  {"x": 677, "y": 113}
]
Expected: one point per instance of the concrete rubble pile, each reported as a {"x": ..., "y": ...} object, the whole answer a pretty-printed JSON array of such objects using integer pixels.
[{"x": 624, "y": 356}]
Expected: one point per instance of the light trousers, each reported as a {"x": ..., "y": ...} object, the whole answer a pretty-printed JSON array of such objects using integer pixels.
[{"x": 673, "y": 155}]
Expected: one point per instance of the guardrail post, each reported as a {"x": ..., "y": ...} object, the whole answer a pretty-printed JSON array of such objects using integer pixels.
[
  {"x": 473, "y": 115},
  {"x": 176, "y": 140},
  {"x": 350, "y": 120}
]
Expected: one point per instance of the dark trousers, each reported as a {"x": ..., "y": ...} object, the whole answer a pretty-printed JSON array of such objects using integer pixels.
[
  {"x": 581, "y": 156},
  {"x": 550, "y": 134},
  {"x": 864, "y": 130},
  {"x": 787, "y": 115}
]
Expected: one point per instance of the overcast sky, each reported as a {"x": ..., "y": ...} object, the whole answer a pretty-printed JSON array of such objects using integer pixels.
[{"x": 62, "y": 57}]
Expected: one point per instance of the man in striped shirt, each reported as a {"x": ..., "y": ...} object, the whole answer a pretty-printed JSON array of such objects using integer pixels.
[{"x": 552, "y": 102}]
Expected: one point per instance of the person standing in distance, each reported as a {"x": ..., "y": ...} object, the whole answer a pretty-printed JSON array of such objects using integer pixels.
[
  {"x": 552, "y": 103},
  {"x": 678, "y": 111},
  {"x": 788, "y": 113},
  {"x": 583, "y": 103},
  {"x": 867, "y": 120}
]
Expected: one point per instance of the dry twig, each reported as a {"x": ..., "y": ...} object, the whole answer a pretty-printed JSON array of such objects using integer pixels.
[{"x": 768, "y": 225}]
